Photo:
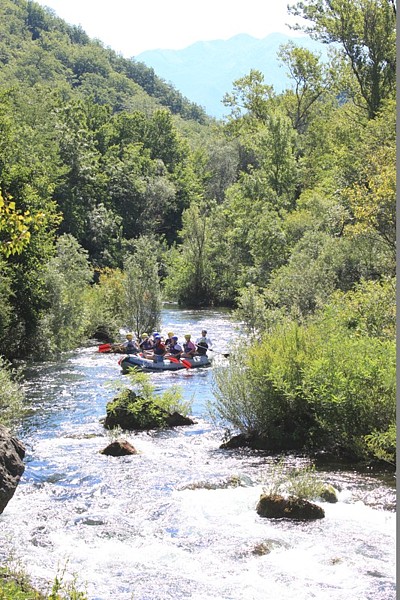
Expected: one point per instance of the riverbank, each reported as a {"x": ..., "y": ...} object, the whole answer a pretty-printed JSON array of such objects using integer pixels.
[{"x": 15, "y": 585}]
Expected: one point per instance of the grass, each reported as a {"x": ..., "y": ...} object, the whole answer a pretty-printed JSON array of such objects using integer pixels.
[{"x": 15, "y": 585}]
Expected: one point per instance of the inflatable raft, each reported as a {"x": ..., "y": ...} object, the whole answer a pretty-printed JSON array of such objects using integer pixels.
[{"x": 133, "y": 360}]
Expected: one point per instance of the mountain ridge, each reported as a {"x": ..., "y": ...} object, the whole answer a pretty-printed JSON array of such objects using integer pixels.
[{"x": 205, "y": 71}]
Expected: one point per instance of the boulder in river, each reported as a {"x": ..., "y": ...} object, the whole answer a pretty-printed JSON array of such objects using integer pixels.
[
  {"x": 119, "y": 448},
  {"x": 275, "y": 506},
  {"x": 329, "y": 494},
  {"x": 12, "y": 453},
  {"x": 131, "y": 412}
]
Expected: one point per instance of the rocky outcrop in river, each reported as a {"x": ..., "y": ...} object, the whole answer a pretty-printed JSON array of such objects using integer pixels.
[
  {"x": 131, "y": 412},
  {"x": 12, "y": 453},
  {"x": 275, "y": 506}
]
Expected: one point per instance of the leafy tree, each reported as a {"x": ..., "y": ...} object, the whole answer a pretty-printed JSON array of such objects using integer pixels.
[
  {"x": 366, "y": 31},
  {"x": 64, "y": 323},
  {"x": 314, "y": 270},
  {"x": 220, "y": 168},
  {"x": 249, "y": 101},
  {"x": 82, "y": 184},
  {"x": 15, "y": 227},
  {"x": 372, "y": 195},
  {"x": 142, "y": 295},
  {"x": 309, "y": 83},
  {"x": 104, "y": 304},
  {"x": 103, "y": 236},
  {"x": 189, "y": 274}
]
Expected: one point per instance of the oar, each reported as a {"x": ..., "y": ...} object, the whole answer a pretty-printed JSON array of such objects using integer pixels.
[
  {"x": 211, "y": 350},
  {"x": 226, "y": 354},
  {"x": 185, "y": 363},
  {"x": 105, "y": 347}
]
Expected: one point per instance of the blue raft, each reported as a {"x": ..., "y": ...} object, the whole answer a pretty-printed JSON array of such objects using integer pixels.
[{"x": 146, "y": 364}]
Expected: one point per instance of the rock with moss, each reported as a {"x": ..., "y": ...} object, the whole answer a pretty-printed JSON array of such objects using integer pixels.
[
  {"x": 329, "y": 494},
  {"x": 275, "y": 506},
  {"x": 134, "y": 413},
  {"x": 12, "y": 453}
]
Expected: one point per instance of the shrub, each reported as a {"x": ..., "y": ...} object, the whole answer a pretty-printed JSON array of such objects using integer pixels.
[
  {"x": 11, "y": 393},
  {"x": 171, "y": 400},
  {"x": 320, "y": 385}
]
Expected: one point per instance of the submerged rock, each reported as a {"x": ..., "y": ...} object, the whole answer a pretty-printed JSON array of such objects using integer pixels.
[
  {"x": 329, "y": 494},
  {"x": 131, "y": 412},
  {"x": 267, "y": 546},
  {"x": 119, "y": 448},
  {"x": 12, "y": 453},
  {"x": 275, "y": 506}
]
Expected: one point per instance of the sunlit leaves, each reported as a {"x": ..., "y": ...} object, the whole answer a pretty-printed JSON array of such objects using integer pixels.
[
  {"x": 372, "y": 197},
  {"x": 249, "y": 101},
  {"x": 16, "y": 227}
]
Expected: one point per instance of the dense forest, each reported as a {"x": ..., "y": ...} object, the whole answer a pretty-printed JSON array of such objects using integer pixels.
[{"x": 117, "y": 192}]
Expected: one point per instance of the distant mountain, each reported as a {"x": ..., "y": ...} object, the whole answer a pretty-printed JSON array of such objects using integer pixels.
[{"x": 204, "y": 72}]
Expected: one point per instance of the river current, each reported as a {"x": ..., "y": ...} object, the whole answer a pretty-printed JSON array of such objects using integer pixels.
[{"x": 164, "y": 524}]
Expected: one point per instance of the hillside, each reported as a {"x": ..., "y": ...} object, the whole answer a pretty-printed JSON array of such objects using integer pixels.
[
  {"x": 204, "y": 71},
  {"x": 37, "y": 47}
]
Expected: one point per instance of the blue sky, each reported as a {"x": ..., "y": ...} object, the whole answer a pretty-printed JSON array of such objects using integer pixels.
[{"x": 131, "y": 27}]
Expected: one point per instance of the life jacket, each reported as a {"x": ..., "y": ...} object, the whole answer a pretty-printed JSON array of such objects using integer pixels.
[
  {"x": 175, "y": 349},
  {"x": 131, "y": 347},
  {"x": 202, "y": 346},
  {"x": 189, "y": 346},
  {"x": 159, "y": 349},
  {"x": 147, "y": 344}
]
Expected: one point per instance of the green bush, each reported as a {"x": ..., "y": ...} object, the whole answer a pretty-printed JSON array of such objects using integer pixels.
[
  {"x": 319, "y": 385},
  {"x": 15, "y": 585},
  {"x": 11, "y": 393},
  {"x": 350, "y": 387},
  {"x": 170, "y": 400}
]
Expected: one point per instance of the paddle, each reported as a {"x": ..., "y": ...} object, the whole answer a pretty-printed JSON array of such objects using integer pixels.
[
  {"x": 185, "y": 363},
  {"x": 211, "y": 350},
  {"x": 226, "y": 354},
  {"x": 105, "y": 347}
]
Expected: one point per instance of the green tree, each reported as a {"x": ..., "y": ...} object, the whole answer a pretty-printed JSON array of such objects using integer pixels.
[
  {"x": 309, "y": 83},
  {"x": 371, "y": 195},
  {"x": 249, "y": 101},
  {"x": 65, "y": 321},
  {"x": 189, "y": 273},
  {"x": 142, "y": 295},
  {"x": 366, "y": 31}
]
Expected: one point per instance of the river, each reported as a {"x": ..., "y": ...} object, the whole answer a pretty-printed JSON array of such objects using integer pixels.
[{"x": 161, "y": 524}]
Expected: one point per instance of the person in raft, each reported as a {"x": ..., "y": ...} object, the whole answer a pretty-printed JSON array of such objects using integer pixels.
[
  {"x": 168, "y": 339},
  {"x": 203, "y": 343},
  {"x": 175, "y": 349},
  {"x": 159, "y": 349},
  {"x": 130, "y": 346},
  {"x": 189, "y": 347},
  {"x": 145, "y": 343}
]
